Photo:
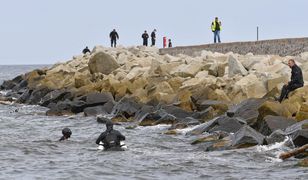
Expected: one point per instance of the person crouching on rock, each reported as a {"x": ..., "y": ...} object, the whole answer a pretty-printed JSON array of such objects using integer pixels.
[
  {"x": 66, "y": 134},
  {"x": 110, "y": 138},
  {"x": 296, "y": 80}
]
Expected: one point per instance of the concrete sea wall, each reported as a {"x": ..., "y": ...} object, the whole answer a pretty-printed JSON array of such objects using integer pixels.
[{"x": 282, "y": 47}]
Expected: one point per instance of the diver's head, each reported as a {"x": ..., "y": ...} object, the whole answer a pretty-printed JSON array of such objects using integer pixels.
[
  {"x": 109, "y": 125},
  {"x": 66, "y": 132}
]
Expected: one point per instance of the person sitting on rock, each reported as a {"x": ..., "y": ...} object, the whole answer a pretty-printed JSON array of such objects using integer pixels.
[
  {"x": 86, "y": 50},
  {"x": 296, "y": 80},
  {"x": 66, "y": 134},
  {"x": 110, "y": 138}
]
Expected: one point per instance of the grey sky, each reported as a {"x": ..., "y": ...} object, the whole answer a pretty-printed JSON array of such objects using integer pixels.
[{"x": 49, "y": 31}]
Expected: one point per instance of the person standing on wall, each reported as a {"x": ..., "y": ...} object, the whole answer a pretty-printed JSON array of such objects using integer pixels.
[
  {"x": 145, "y": 38},
  {"x": 216, "y": 28},
  {"x": 153, "y": 37},
  {"x": 113, "y": 37}
]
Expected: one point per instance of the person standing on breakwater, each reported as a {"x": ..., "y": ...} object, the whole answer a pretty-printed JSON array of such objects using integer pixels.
[
  {"x": 145, "y": 38},
  {"x": 110, "y": 138},
  {"x": 153, "y": 37},
  {"x": 169, "y": 44},
  {"x": 86, "y": 50},
  {"x": 113, "y": 37},
  {"x": 216, "y": 28},
  {"x": 296, "y": 80}
]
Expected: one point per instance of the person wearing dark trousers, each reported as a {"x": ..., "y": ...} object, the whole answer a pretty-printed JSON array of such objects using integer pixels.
[
  {"x": 296, "y": 80},
  {"x": 113, "y": 37},
  {"x": 145, "y": 38},
  {"x": 169, "y": 44},
  {"x": 216, "y": 28},
  {"x": 153, "y": 37}
]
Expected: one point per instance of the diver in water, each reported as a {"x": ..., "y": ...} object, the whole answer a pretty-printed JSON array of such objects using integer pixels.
[
  {"x": 110, "y": 138},
  {"x": 66, "y": 134}
]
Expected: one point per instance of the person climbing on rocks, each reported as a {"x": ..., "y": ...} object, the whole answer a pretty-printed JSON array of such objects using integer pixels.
[
  {"x": 113, "y": 37},
  {"x": 216, "y": 28},
  {"x": 66, "y": 132},
  {"x": 110, "y": 138},
  {"x": 145, "y": 38},
  {"x": 296, "y": 80}
]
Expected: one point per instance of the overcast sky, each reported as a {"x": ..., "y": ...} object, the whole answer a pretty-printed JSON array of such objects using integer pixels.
[{"x": 49, "y": 31}]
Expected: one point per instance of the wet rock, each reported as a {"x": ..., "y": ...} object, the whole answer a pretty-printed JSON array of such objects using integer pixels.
[
  {"x": 247, "y": 137},
  {"x": 25, "y": 96},
  {"x": 272, "y": 123},
  {"x": 226, "y": 124},
  {"x": 67, "y": 107},
  {"x": 10, "y": 84},
  {"x": 205, "y": 127},
  {"x": 219, "y": 106},
  {"x": 55, "y": 96},
  {"x": 94, "y": 99},
  {"x": 210, "y": 138},
  {"x": 94, "y": 111},
  {"x": 37, "y": 95},
  {"x": 102, "y": 63},
  {"x": 276, "y": 136},
  {"x": 184, "y": 123},
  {"x": 247, "y": 110},
  {"x": 127, "y": 107}
]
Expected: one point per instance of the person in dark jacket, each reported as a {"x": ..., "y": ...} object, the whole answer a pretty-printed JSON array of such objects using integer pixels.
[
  {"x": 145, "y": 38},
  {"x": 169, "y": 43},
  {"x": 153, "y": 37},
  {"x": 113, "y": 37},
  {"x": 110, "y": 138},
  {"x": 86, "y": 50},
  {"x": 296, "y": 80},
  {"x": 66, "y": 132}
]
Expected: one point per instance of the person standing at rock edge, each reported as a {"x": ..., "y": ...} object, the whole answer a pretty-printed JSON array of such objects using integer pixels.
[
  {"x": 113, "y": 37},
  {"x": 86, "y": 50},
  {"x": 169, "y": 43},
  {"x": 296, "y": 80},
  {"x": 66, "y": 132},
  {"x": 145, "y": 38},
  {"x": 153, "y": 37},
  {"x": 216, "y": 28},
  {"x": 110, "y": 138}
]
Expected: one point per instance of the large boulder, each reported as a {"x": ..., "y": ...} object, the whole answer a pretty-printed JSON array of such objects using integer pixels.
[
  {"x": 299, "y": 133},
  {"x": 103, "y": 63},
  {"x": 273, "y": 123},
  {"x": 247, "y": 110},
  {"x": 55, "y": 96},
  {"x": 247, "y": 137},
  {"x": 235, "y": 67}
]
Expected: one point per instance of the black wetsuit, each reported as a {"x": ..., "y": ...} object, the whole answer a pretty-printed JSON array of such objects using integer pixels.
[
  {"x": 145, "y": 38},
  {"x": 63, "y": 138},
  {"x": 296, "y": 82},
  {"x": 110, "y": 138},
  {"x": 114, "y": 36},
  {"x": 153, "y": 38}
]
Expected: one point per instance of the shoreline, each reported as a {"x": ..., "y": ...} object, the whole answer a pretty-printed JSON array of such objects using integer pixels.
[{"x": 229, "y": 96}]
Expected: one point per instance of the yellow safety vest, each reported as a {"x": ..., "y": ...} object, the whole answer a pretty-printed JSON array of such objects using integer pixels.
[{"x": 214, "y": 25}]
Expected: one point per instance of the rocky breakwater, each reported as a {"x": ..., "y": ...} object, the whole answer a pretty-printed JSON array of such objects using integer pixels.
[{"x": 228, "y": 97}]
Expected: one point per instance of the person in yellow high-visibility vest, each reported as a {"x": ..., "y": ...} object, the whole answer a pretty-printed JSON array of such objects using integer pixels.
[{"x": 216, "y": 28}]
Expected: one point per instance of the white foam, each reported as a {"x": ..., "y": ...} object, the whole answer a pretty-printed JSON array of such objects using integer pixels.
[{"x": 277, "y": 145}]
